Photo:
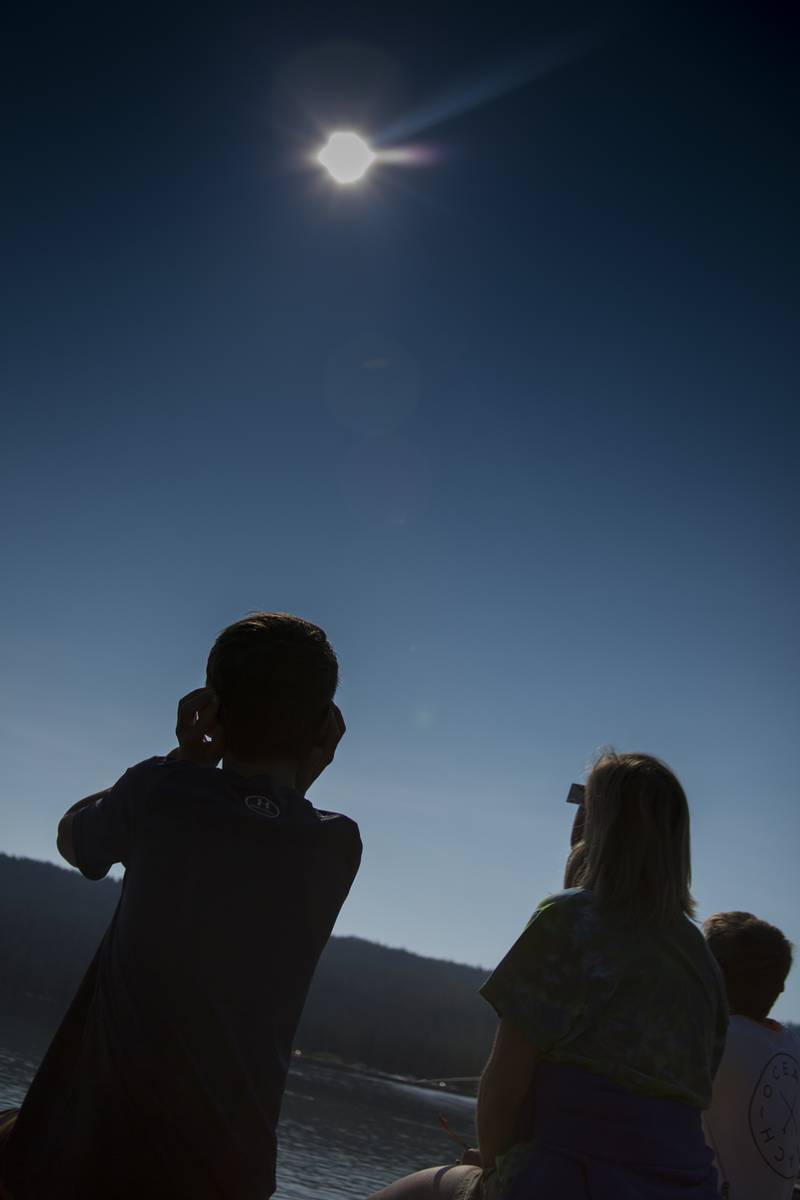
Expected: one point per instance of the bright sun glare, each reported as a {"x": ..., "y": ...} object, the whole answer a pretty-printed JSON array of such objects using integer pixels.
[{"x": 347, "y": 157}]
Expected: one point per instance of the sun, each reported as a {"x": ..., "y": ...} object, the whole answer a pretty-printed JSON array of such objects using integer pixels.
[{"x": 346, "y": 157}]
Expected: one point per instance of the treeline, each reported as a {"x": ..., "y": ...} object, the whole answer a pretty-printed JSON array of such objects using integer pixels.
[
  {"x": 387, "y": 1009},
  {"x": 397, "y": 1011}
]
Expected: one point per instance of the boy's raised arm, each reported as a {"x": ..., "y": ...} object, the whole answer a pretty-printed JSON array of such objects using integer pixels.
[{"x": 199, "y": 740}]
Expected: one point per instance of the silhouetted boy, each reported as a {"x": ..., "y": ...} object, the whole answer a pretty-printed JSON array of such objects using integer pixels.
[
  {"x": 166, "y": 1076},
  {"x": 753, "y": 1124}
]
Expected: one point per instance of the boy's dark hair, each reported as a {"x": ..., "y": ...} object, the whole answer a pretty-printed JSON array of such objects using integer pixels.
[
  {"x": 275, "y": 676},
  {"x": 754, "y": 958}
]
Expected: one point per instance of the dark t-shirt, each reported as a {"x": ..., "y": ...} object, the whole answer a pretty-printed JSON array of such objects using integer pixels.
[{"x": 166, "y": 1076}]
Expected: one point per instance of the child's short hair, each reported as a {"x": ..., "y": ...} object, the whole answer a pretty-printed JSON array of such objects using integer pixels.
[
  {"x": 754, "y": 958},
  {"x": 275, "y": 676}
]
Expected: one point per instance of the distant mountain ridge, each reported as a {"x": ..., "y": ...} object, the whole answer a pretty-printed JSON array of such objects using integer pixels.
[{"x": 389, "y": 1009}]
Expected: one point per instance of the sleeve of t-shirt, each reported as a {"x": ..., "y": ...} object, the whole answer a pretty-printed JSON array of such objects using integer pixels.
[
  {"x": 343, "y": 863},
  {"x": 352, "y": 856},
  {"x": 538, "y": 986},
  {"x": 103, "y": 833}
]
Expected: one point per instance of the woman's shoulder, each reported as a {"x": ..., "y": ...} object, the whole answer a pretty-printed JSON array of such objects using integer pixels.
[
  {"x": 576, "y": 910},
  {"x": 572, "y": 907},
  {"x": 568, "y": 898},
  {"x": 688, "y": 934},
  {"x": 694, "y": 934}
]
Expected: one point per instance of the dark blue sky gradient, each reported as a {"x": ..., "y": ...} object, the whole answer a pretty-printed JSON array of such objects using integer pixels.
[{"x": 518, "y": 426}]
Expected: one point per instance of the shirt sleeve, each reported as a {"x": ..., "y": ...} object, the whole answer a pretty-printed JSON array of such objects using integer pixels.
[
  {"x": 539, "y": 985},
  {"x": 103, "y": 833}
]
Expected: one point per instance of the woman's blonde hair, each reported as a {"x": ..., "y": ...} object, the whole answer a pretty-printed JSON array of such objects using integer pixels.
[{"x": 635, "y": 854}]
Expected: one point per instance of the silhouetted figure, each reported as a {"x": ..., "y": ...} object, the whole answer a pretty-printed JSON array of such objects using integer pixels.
[
  {"x": 166, "y": 1076},
  {"x": 612, "y": 1020},
  {"x": 753, "y": 1124}
]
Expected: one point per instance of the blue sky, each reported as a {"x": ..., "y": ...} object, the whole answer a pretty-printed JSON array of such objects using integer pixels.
[{"x": 516, "y": 426}]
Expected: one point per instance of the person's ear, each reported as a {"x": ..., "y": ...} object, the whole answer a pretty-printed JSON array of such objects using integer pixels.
[
  {"x": 220, "y": 717},
  {"x": 319, "y": 733},
  {"x": 315, "y": 738}
]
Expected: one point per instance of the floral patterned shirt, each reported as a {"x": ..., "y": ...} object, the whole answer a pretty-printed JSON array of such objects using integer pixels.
[{"x": 645, "y": 1007}]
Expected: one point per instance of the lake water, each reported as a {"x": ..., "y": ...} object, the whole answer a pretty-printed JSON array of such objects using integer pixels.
[{"x": 341, "y": 1135}]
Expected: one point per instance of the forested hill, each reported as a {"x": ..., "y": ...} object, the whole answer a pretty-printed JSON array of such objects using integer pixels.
[{"x": 385, "y": 1008}]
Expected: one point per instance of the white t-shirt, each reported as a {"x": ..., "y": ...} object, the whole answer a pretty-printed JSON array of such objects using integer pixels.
[{"x": 753, "y": 1124}]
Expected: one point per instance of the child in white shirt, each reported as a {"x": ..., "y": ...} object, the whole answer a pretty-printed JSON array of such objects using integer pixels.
[{"x": 753, "y": 1124}]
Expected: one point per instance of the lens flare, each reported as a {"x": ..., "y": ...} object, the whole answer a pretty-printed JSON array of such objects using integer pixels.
[{"x": 346, "y": 157}]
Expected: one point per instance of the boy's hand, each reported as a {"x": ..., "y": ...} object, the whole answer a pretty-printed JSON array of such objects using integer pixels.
[
  {"x": 200, "y": 735},
  {"x": 471, "y": 1158},
  {"x": 321, "y": 756}
]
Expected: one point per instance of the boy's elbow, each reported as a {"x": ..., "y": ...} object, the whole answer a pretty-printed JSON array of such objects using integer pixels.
[{"x": 64, "y": 841}]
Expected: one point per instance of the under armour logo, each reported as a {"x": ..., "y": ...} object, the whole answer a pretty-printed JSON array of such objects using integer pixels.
[{"x": 263, "y": 805}]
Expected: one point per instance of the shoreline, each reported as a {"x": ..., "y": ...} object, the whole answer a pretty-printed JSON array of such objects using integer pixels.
[{"x": 465, "y": 1086}]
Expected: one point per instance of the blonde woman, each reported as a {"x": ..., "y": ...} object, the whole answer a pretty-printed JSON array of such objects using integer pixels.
[{"x": 612, "y": 1020}]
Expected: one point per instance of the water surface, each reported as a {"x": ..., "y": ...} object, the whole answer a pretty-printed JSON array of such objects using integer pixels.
[{"x": 342, "y": 1135}]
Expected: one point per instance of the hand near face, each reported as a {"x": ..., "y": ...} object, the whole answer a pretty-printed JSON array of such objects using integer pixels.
[
  {"x": 199, "y": 733},
  {"x": 331, "y": 733},
  {"x": 578, "y": 825}
]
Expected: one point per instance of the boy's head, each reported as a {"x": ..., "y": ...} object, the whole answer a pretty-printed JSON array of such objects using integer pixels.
[
  {"x": 754, "y": 958},
  {"x": 275, "y": 676}
]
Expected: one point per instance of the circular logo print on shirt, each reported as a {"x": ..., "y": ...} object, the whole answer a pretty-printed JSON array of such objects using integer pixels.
[
  {"x": 775, "y": 1115},
  {"x": 263, "y": 805}
]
